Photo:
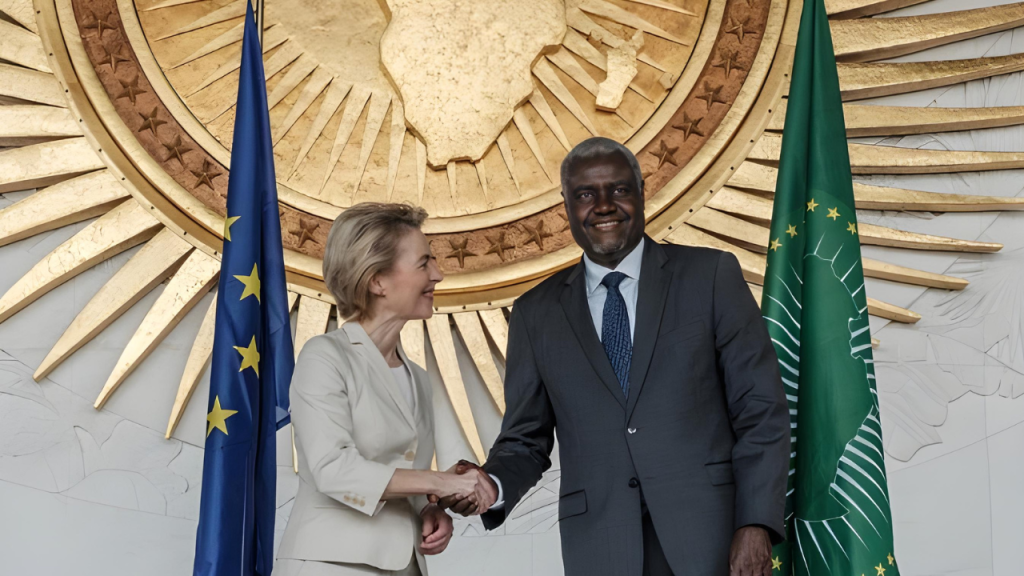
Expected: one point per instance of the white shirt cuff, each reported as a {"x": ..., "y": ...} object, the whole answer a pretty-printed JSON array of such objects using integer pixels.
[{"x": 500, "y": 503}]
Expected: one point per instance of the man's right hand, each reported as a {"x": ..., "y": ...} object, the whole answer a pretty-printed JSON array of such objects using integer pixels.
[{"x": 483, "y": 497}]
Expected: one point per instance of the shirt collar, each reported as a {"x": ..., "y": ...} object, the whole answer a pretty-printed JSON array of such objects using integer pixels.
[{"x": 630, "y": 266}]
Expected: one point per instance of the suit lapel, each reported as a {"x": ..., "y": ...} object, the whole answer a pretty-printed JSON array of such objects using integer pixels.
[
  {"x": 577, "y": 311},
  {"x": 379, "y": 368},
  {"x": 650, "y": 304},
  {"x": 424, "y": 407}
]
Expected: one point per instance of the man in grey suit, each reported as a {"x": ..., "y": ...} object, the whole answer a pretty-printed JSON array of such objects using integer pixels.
[{"x": 654, "y": 368}]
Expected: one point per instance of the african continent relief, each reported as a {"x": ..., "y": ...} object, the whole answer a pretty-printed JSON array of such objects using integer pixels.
[{"x": 463, "y": 67}]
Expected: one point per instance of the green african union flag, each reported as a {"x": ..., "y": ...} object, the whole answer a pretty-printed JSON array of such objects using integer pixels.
[{"x": 838, "y": 519}]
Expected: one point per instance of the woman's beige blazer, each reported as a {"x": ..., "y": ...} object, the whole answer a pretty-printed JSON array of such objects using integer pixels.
[{"x": 353, "y": 429}]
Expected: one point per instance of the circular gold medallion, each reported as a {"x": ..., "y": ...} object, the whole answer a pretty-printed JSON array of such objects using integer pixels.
[{"x": 465, "y": 108}]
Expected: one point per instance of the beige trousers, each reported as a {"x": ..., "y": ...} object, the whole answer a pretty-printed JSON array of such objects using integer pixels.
[{"x": 289, "y": 567}]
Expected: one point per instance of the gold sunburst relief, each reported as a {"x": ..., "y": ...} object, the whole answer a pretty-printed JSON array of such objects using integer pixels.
[{"x": 122, "y": 112}]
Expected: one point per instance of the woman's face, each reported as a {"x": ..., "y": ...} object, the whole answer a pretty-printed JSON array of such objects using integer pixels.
[{"x": 407, "y": 290}]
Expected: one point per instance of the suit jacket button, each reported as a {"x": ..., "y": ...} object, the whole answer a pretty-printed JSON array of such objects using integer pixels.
[
  {"x": 410, "y": 455},
  {"x": 631, "y": 430},
  {"x": 633, "y": 482}
]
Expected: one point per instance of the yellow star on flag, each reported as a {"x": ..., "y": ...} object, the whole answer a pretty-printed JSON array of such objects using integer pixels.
[
  {"x": 252, "y": 284},
  {"x": 776, "y": 563},
  {"x": 881, "y": 571},
  {"x": 775, "y": 245},
  {"x": 218, "y": 417},
  {"x": 811, "y": 205},
  {"x": 250, "y": 357},
  {"x": 851, "y": 227},
  {"x": 227, "y": 226},
  {"x": 791, "y": 230},
  {"x": 833, "y": 213},
  {"x": 891, "y": 559}
]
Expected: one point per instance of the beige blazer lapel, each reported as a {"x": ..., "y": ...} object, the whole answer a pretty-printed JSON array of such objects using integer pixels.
[
  {"x": 424, "y": 400},
  {"x": 358, "y": 336}
]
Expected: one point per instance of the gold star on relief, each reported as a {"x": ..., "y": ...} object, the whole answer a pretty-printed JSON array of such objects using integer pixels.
[
  {"x": 252, "y": 284},
  {"x": 728, "y": 63},
  {"x": 775, "y": 245},
  {"x": 537, "y": 234},
  {"x": 99, "y": 25},
  {"x": 217, "y": 417},
  {"x": 250, "y": 357},
  {"x": 776, "y": 563},
  {"x": 227, "y": 226},
  {"x": 738, "y": 28},
  {"x": 710, "y": 96},
  {"x": 112, "y": 57},
  {"x": 664, "y": 154},
  {"x": 812, "y": 205},
  {"x": 891, "y": 559},
  {"x": 177, "y": 149},
  {"x": 851, "y": 228},
  {"x": 881, "y": 571},
  {"x": 459, "y": 251},
  {"x": 306, "y": 231},
  {"x": 689, "y": 126},
  {"x": 205, "y": 176},
  {"x": 150, "y": 122},
  {"x": 833, "y": 213},
  {"x": 565, "y": 221},
  {"x": 791, "y": 230},
  {"x": 499, "y": 245},
  {"x": 130, "y": 90}
]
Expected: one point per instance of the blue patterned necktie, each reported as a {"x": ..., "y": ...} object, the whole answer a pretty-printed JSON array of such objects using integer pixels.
[{"x": 615, "y": 336}]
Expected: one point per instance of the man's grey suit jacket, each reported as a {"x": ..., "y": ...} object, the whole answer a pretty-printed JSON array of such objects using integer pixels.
[{"x": 704, "y": 433}]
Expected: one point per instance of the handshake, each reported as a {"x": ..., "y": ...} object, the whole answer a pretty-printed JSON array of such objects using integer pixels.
[{"x": 465, "y": 489}]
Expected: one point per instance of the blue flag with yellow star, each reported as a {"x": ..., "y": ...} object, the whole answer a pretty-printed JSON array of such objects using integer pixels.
[{"x": 252, "y": 349}]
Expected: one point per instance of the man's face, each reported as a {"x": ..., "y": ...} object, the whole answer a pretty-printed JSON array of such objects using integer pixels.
[{"x": 605, "y": 208}]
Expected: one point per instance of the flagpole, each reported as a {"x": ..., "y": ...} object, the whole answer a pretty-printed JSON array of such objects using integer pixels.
[{"x": 259, "y": 18}]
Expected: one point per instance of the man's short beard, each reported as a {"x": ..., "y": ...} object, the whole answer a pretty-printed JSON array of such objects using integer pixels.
[{"x": 609, "y": 247}]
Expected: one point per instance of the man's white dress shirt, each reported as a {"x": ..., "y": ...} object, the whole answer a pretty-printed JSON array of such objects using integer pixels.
[{"x": 597, "y": 293}]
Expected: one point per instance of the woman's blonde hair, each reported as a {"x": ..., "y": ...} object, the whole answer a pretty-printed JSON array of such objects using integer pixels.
[{"x": 363, "y": 242}]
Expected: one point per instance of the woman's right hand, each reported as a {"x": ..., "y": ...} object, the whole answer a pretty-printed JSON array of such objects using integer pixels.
[
  {"x": 471, "y": 484},
  {"x": 458, "y": 485}
]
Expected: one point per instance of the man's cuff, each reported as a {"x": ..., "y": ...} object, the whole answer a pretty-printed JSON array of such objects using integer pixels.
[{"x": 500, "y": 503}]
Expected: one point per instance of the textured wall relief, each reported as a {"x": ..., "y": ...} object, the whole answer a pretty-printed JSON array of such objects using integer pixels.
[
  {"x": 56, "y": 442},
  {"x": 969, "y": 342}
]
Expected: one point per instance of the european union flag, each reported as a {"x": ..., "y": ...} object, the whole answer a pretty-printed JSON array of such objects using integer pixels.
[{"x": 252, "y": 349}]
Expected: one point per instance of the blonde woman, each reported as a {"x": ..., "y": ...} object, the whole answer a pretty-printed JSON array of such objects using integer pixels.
[{"x": 362, "y": 412}]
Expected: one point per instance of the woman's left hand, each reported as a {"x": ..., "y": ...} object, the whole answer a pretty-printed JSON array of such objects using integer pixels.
[{"x": 437, "y": 530}]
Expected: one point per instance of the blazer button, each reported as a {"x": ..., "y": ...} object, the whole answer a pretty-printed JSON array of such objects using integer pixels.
[
  {"x": 410, "y": 455},
  {"x": 631, "y": 430},
  {"x": 633, "y": 482}
]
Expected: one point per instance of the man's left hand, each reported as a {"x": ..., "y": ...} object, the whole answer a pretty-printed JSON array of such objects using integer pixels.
[
  {"x": 437, "y": 530},
  {"x": 751, "y": 552}
]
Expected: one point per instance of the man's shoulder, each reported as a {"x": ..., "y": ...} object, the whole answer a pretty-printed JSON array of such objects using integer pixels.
[
  {"x": 692, "y": 257},
  {"x": 549, "y": 291}
]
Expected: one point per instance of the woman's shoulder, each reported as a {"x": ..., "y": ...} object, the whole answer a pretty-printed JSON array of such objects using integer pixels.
[{"x": 332, "y": 347}]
